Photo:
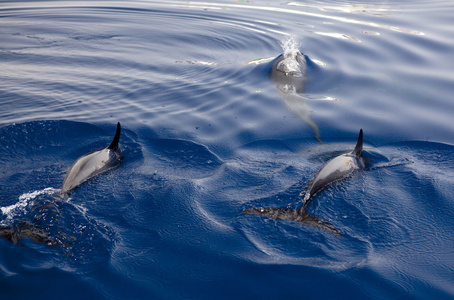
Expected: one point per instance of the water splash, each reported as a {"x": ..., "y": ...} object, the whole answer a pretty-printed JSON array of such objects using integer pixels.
[
  {"x": 24, "y": 200},
  {"x": 290, "y": 49},
  {"x": 291, "y": 64},
  {"x": 290, "y": 45}
]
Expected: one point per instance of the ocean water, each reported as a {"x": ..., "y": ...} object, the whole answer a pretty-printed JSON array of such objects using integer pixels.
[{"x": 207, "y": 134}]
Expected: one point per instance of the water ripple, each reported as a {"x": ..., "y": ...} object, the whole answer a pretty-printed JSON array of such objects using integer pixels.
[{"x": 206, "y": 134}]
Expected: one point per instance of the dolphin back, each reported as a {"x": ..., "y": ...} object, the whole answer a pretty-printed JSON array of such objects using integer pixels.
[
  {"x": 114, "y": 145},
  {"x": 92, "y": 164},
  {"x": 293, "y": 215}
]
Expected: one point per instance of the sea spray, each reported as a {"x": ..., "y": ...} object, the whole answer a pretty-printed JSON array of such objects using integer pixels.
[
  {"x": 24, "y": 200},
  {"x": 290, "y": 65},
  {"x": 290, "y": 45}
]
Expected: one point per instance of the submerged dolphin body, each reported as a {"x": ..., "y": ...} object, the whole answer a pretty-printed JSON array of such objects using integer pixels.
[
  {"x": 289, "y": 77},
  {"x": 334, "y": 170},
  {"x": 92, "y": 164},
  {"x": 30, "y": 231},
  {"x": 289, "y": 72}
]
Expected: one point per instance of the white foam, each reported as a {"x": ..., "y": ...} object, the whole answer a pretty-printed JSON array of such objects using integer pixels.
[
  {"x": 290, "y": 63},
  {"x": 24, "y": 199},
  {"x": 290, "y": 45}
]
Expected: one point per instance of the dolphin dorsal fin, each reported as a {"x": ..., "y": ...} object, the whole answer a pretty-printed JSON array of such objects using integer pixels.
[
  {"x": 359, "y": 144},
  {"x": 114, "y": 145}
]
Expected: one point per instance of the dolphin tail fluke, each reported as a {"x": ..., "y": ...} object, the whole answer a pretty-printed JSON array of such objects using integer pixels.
[
  {"x": 286, "y": 214},
  {"x": 316, "y": 222},
  {"x": 116, "y": 139},
  {"x": 293, "y": 215},
  {"x": 359, "y": 144}
]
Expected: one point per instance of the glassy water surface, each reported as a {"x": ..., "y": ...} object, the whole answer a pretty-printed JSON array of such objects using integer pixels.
[{"x": 208, "y": 133}]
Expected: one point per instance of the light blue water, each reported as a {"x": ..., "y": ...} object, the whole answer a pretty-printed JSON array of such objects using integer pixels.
[{"x": 206, "y": 134}]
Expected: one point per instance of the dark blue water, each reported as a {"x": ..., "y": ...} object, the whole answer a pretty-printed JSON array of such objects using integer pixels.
[{"x": 206, "y": 135}]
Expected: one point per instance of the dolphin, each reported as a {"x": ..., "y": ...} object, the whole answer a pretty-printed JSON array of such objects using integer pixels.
[
  {"x": 92, "y": 164},
  {"x": 289, "y": 77},
  {"x": 85, "y": 167},
  {"x": 289, "y": 72},
  {"x": 30, "y": 231},
  {"x": 334, "y": 170}
]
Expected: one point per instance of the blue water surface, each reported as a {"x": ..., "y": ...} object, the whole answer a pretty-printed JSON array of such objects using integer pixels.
[{"x": 206, "y": 134}]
